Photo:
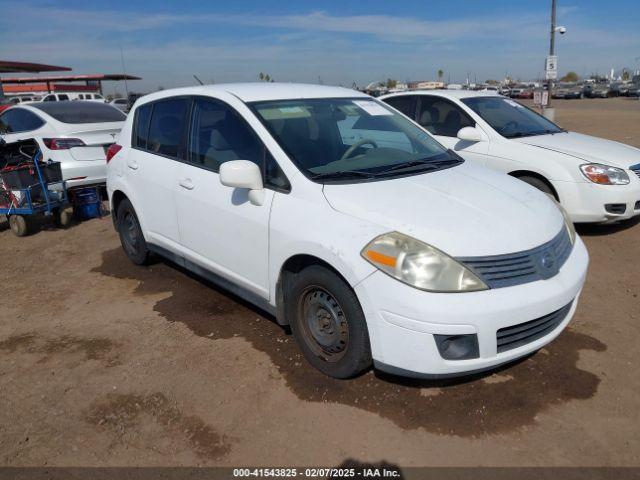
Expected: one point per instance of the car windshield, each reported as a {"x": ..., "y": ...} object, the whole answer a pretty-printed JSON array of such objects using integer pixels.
[
  {"x": 343, "y": 138},
  {"x": 510, "y": 118}
]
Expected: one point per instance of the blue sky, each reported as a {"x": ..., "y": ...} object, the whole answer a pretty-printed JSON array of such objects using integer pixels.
[{"x": 339, "y": 41}]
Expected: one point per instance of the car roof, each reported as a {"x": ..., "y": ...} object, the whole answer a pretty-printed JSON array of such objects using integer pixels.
[
  {"x": 259, "y": 91},
  {"x": 458, "y": 94}
]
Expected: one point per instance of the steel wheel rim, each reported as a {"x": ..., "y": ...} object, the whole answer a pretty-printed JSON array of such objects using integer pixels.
[
  {"x": 325, "y": 328},
  {"x": 130, "y": 234}
]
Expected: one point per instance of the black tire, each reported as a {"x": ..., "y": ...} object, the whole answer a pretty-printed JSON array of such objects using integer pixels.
[
  {"x": 328, "y": 323},
  {"x": 62, "y": 217},
  {"x": 539, "y": 184},
  {"x": 20, "y": 225},
  {"x": 131, "y": 237}
]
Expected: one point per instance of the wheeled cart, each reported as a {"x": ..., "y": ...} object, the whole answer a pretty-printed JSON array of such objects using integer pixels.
[{"x": 30, "y": 187}]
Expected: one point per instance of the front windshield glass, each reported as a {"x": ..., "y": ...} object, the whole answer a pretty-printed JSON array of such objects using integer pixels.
[
  {"x": 510, "y": 118},
  {"x": 339, "y": 138}
]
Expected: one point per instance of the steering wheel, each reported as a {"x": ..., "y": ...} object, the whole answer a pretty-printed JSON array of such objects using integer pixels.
[
  {"x": 510, "y": 125},
  {"x": 355, "y": 146}
]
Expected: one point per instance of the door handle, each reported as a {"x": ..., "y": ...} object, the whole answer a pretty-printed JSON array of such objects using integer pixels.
[
  {"x": 186, "y": 183},
  {"x": 132, "y": 165}
]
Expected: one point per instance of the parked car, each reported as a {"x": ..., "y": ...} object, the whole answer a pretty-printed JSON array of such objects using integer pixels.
[
  {"x": 568, "y": 91},
  {"x": 596, "y": 180},
  {"x": 132, "y": 98},
  {"x": 61, "y": 97},
  {"x": 349, "y": 223},
  {"x": 8, "y": 102},
  {"x": 15, "y": 100},
  {"x": 598, "y": 90},
  {"x": 120, "y": 103},
  {"x": 77, "y": 134},
  {"x": 633, "y": 90},
  {"x": 525, "y": 93}
]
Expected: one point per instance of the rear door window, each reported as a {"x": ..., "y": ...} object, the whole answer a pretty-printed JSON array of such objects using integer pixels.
[
  {"x": 405, "y": 103},
  {"x": 167, "y": 127},
  {"x": 442, "y": 117},
  {"x": 63, "y": 97},
  {"x": 141, "y": 126}
]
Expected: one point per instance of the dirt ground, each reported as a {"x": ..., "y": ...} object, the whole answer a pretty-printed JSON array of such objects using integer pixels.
[{"x": 104, "y": 363}]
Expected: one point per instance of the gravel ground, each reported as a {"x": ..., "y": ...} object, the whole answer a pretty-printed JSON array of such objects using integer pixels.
[{"x": 103, "y": 363}]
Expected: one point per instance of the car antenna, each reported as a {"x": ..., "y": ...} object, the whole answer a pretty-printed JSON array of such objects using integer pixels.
[{"x": 197, "y": 79}]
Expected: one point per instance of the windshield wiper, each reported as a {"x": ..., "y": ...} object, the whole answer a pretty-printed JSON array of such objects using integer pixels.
[
  {"x": 434, "y": 164},
  {"x": 533, "y": 134},
  {"x": 341, "y": 174}
]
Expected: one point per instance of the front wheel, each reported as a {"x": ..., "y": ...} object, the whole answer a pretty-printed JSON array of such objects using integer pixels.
[
  {"x": 19, "y": 225},
  {"x": 131, "y": 237},
  {"x": 328, "y": 323}
]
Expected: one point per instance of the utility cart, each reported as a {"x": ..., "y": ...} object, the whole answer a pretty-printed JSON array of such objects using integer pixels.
[{"x": 30, "y": 187}]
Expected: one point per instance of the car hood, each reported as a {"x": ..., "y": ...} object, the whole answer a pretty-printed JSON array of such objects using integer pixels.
[
  {"x": 587, "y": 148},
  {"x": 464, "y": 211}
]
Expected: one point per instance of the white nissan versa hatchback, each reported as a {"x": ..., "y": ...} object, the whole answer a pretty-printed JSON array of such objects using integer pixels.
[{"x": 384, "y": 249}]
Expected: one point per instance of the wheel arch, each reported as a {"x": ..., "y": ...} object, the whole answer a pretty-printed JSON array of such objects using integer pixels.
[
  {"x": 116, "y": 199},
  {"x": 291, "y": 267},
  {"x": 528, "y": 173}
]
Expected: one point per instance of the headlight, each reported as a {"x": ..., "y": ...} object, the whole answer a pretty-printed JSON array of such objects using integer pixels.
[
  {"x": 419, "y": 264},
  {"x": 571, "y": 229},
  {"x": 604, "y": 175}
]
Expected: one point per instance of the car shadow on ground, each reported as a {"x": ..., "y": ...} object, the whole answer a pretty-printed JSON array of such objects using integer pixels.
[
  {"x": 503, "y": 399},
  {"x": 598, "y": 229}
]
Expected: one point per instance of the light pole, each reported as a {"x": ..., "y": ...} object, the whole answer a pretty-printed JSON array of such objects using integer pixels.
[{"x": 548, "y": 111}]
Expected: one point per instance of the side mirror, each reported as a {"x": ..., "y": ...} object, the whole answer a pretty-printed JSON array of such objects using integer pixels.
[
  {"x": 246, "y": 175},
  {"x": 470, "y": 134}
]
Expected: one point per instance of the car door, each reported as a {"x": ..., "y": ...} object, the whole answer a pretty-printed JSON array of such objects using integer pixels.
[
  {"x": 444, "y": 119},
  {"x": 152, "y": 167},
  {"x": 220, "y": 229}
]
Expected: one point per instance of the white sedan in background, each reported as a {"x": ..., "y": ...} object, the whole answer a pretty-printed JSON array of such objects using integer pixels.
[
  {"x": 596, "y": 180},
  {"x": 76, "y": 134}
]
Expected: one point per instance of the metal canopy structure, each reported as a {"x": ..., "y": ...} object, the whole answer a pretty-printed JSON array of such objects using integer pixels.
[
  {"x": 70, "y": 78},
  {"x": 7, "y": 66},
  {"x": 61, "y": 82}
]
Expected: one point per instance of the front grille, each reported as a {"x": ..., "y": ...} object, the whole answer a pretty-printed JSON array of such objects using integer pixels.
[
  {"x": 512, "y": 269},
  {"x": 636, "y": 169},
  {"x": 515, "y": 336}
]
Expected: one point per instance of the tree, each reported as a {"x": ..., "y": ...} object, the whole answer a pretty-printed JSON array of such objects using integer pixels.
[
  {"x": 391, "y": 83},
  {"x": 570, "y": 77},
  {"x": 625, "y": 75},
  {"x": 265, "y": 77},
  {"x": 492, "y": 82},
  {"x": 440, "y": 74}
]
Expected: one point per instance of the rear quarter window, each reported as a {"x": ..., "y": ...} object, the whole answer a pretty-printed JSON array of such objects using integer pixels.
[{"x": 141, "y": 126}]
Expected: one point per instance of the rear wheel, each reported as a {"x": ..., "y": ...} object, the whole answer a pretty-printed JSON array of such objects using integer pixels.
[
  {"x": 328, "y": 323},
  {"x": 62, "y": 217},
  {"x": 19, "y": 225},
  {"x": 131, "y": 237}
]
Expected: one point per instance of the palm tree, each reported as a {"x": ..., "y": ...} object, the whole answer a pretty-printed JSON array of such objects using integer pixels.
[{"x": 440, "y": 74}]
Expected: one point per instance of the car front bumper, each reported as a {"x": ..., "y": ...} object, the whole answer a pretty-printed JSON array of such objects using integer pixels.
[
  {"x": 402, "y": 320},
  {"x": 587, "y": 202}
]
